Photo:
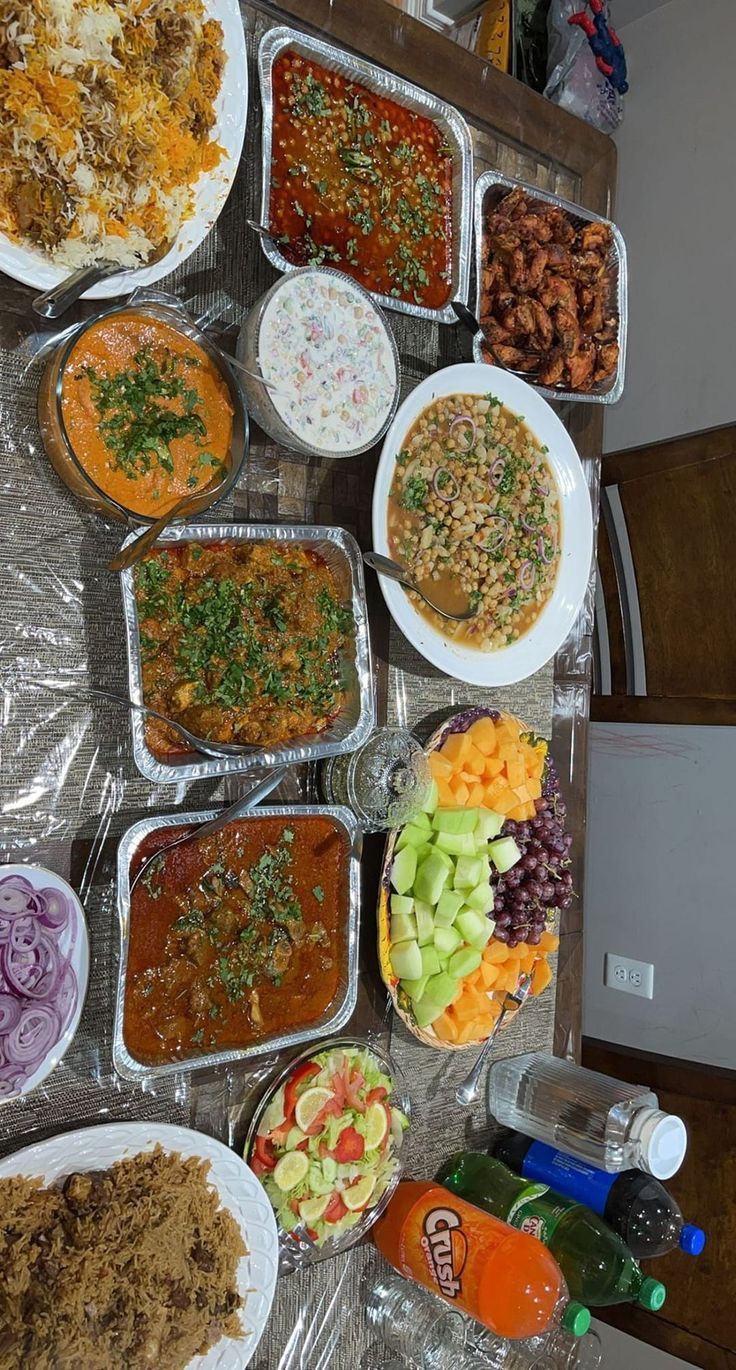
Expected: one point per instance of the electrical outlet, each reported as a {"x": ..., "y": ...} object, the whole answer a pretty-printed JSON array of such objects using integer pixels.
[{"x": 634, "y": 977}]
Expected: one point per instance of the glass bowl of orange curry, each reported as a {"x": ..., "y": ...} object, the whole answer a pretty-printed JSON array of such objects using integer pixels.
[{"x": 139, "y": 409}]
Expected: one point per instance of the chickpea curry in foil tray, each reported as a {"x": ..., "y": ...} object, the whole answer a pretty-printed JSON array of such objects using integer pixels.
[
  {"x": 237, "y": 941},
  {"x": 251, "y": 640}
]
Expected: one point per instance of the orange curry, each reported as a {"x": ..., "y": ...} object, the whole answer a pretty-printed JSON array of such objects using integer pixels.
[
  {"x": 146, "y": 412},
  {"x": 235, "y": 938}
]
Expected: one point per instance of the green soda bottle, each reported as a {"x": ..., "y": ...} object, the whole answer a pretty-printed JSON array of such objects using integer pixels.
[{"x": 598, "y": 1267}]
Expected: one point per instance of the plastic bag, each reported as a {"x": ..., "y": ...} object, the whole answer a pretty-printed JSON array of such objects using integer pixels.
[{"x": 573, "y": 79}]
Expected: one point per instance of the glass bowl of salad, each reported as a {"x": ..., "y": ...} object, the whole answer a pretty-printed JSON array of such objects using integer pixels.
[{"x": 327, "y": 1138}]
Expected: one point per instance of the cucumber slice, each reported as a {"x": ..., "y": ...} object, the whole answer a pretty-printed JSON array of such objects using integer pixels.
[
  {"x": 425, "y": 922},
  {"x": 406, "y": 960},
  {"x": 441, "y": 989},
  {"x": 430, "y": 961},
  {"x": 490, "y": 824},
  {"x": 470, "y": 924},
  {"x": 414, "y": 988},
  {"x": 467, "y": 872},
  {"x": 403, "y": 927},
  {"x": 446, "y": 940},
  {"x": 455, "y": 844},
  {"x": 464, "y": 962},
  {"x": 412, "y": 836},
  {"x": 425, "y": 1011},
  {"x": 401, "y": 903},
  {"x": 455, "y": 820},
  {"x": 404, "y": 870},
  {"x": 481, "y": 899},
  {"x": 432, "y": 799},
  {"x": 448, "y": 907},
  {"x": 504, "y": 854},
  {"x": 431, "y": 877}
]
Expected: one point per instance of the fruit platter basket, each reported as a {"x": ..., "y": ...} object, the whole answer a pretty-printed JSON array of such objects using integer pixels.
[{"x": 470, "y": 888}]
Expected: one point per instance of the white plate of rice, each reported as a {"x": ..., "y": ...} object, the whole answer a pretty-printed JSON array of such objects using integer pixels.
[{"x": 56, "y": 147}]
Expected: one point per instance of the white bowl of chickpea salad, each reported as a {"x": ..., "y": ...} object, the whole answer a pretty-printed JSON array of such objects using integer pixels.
[{"x": 481, "y": 494}]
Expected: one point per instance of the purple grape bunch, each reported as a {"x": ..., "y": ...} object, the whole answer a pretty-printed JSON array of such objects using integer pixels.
[{"x": 527, "y": 896}]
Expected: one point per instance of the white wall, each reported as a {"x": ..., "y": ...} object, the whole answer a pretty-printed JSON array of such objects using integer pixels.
[
  {"x": 622, "y": 1352},
  {"x": 676, "y": 206},
  {"x": 660, "y": 886}
]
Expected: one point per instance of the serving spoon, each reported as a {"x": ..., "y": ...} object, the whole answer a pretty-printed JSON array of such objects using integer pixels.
[
  {"x": 236, "y": 810},
  {"x": 468, "y": 1091},
  {"x": 197, "y": 744},
  {"x": 133, "y": 551},
  {"x": 55, "y": 302},
  {"x": 383, "y": 566},
  {"x": 296, "y": 245}
]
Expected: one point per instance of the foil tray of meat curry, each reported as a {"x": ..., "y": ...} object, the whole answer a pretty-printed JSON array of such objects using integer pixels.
[
  {"x": 393, "y": 209},
  {"x": 237, "y": 944},
  {"x": 492, "y": 191},
  {"x": 248, "y": 633}
]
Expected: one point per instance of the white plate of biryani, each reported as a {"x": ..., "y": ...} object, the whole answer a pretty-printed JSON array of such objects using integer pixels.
[
  {"x": 481, "y": 495},
  {"x": 135, "y": 1243},
  {"x": 121, "y": 128}
]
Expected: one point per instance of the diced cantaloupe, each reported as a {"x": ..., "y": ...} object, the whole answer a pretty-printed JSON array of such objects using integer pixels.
[
  {"x": 541, "y": 977},
  {"x": 493, "y": 767},
  {"x": 516, "y": 772},
  {"x": 477, "y": 795},
  {"x": 495, "y": 787},
  {"x": 508, "y": 751},
  {"x": 505, "y": 801},
  {"x": 475, "y": 761},
  {"x": 534, "y": 786},
  {"x": 495, "y": 952},
  {"x": 483, "y": 733},
  {"x": 518, "y": 813},
  {"x": 460, "y": 791},
  {"x": 440, "y": 767},
  {"x": 516, "y": 953},
  {"x": 548, "y": 941},
  {"x": 489, "y": 974},
  {"x": 445, "y": 1027},
  {"x": 456, "y": 748},
  {"x": 445, "y": 796}
]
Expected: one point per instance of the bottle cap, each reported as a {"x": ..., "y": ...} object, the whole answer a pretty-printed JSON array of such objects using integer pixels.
[
  {"x": 652, "y": 1294},
  {"x": 576, "y": 1318},
  {"x": 692, "y": 1239},
  {"x": 662, "y": 1138}
]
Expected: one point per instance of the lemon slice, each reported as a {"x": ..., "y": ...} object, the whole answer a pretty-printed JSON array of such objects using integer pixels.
[
  {"x": 309, "y": 1104},
  {"x": 358, "y": 1194},
  {"x": 376, "y": 1125},
  {"x": 311, "y": 1210},
  {"x": 291, "y": 1169}
]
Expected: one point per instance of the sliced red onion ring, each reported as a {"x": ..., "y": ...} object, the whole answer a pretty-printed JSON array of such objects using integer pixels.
[
  {"x": 499, "y": 534},
  {"x": 13, "y": 901},
  {"x": 31, "y": 1039},
  {"x": 5, "y": 926},
  {"x": 34, "y": 974},
  {"x": 526, "y": 576},
  {"x": 465, "y": 419},
  {"x": 542, "y": 488},
  {"x": 497, "y": 468},
  {"x": 58, "y": 909},
  {"x": 528, "y": 527},
  {"x": 542, "y": 553},
  {"x": 24, "y": 933},
  {"x": 10, "y": 1010},
  {"x": 67, "y": 995},
  {"x": 10, "y": 1083},
  {"x": 441, "y": 490}
]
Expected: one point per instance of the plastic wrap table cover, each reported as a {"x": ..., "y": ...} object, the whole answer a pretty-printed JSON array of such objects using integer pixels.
[{"x": 69, "y": 788}]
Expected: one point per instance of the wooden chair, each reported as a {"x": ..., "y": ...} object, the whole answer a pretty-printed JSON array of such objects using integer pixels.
[{"x": 665, "y": 635}]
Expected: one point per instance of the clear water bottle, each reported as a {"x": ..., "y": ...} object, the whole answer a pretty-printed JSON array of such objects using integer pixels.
[
  {"x": 613, "y": 1125},
  {"x": 418, "y": 1325},
  {"x": 555, "y": 1350}
]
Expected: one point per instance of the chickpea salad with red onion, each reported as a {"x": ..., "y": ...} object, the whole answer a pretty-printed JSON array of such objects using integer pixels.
[{"x": 474, "y": 515}]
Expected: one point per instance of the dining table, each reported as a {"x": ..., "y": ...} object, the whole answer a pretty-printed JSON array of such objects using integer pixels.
[{"x": 68, "y": 785}]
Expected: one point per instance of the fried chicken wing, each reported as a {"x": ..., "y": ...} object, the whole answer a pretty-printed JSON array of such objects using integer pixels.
[{"x": 580, "y": 367}]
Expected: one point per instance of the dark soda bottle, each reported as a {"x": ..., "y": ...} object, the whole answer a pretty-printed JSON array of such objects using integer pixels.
[
  {"x": 634, "y": 1204},
  {"x": 598, "y": 1268}
]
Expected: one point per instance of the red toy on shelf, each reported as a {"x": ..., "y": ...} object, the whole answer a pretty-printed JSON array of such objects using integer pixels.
[{"x": 605, "y": 44}]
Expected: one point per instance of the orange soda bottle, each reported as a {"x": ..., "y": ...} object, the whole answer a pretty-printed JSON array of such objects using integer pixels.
[{"x": 505, "y": 1278}]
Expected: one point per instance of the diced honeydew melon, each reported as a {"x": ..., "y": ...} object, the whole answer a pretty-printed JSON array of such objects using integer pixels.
[
  {"x": 467, "y": 872},
  {"x": 448, "y": 907},
  {"x": 414, "y": 988},
  {"x": 447, "y": 860},
  {"x": 471, "y": 925},
  {"x": 446, "y": 940},
  {"x": 425, "y": 1011},
  {"x": 455, "y": 820},
  {"x": 412, "y": 836},
  {"x": 401, "y": 903},
  {"x": 441, "y": 989},
  {"x": 430, "y": 961},
  {"x": 455, "y": 843},
  {"x": 425, "y": 922},
  {"x": 406, "y": 960},
  {"x": 403, "y": 927},
  {"x": 504, "y": 854},
  {"x": 479, "y": 938},
  {"x": 485, "y": 869},
  {"x": 422, "y": 820},
  {"x": 424, "y": 851},
  {"x": 431, "y": 878},
  {"x": 432, "y": 799},
  {"x": 403, "y": 870},
  {"x": 481, "y": 898},
  {"x": 464, "y": 962},
  {"x": 490, "y": 824}
]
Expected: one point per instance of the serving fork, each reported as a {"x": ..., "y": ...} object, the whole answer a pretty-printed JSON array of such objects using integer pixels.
[{"x": 467, "y": 318}]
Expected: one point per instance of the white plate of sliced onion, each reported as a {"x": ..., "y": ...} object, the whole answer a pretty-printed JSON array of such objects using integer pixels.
[{"x": 44, "y": 968}]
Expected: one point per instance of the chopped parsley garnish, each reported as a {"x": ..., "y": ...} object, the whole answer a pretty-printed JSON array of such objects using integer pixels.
[
  {"x": 415, "y": 493},
  {"x": 135, "y": 423},
  {"x": 319, "y": 894}
]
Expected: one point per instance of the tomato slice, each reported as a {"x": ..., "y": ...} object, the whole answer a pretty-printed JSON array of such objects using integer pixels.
[
  {"x": 306, "y": 1071},
  {"x": 377, "y": 1095},
  {"x": 350, "y": 1146},
  {"x": 265, "y": 1153},
  {"x": 258, "y": 1167},
  {"x": 335, "y": 1209}
]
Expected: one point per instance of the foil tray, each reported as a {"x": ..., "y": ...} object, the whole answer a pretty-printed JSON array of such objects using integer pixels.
[
  {"x": 380, "y": 82},
  {"x": 490, "y": 189},
  {"x": 356, "y": 718},
  {"x": 338, "y": 1013}
]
